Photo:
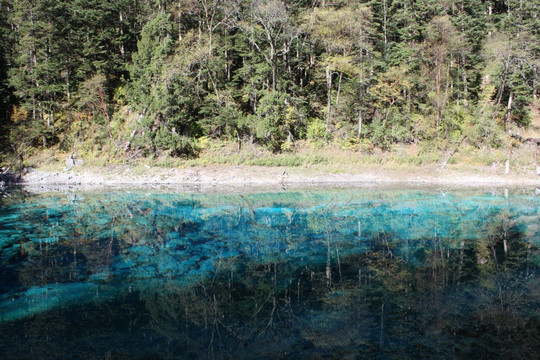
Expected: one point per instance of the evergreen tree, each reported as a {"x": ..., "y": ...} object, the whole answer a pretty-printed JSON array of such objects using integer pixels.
[
  {"x": 382, "y": 72},
  {"x": 6, "y": 97}
]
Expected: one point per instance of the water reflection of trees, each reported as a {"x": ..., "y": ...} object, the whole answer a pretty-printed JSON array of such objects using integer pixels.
[
  {"x": 381, "y": 303},
  {"x": 375, "y": 279},
  {"x": 457, "y": 299}
]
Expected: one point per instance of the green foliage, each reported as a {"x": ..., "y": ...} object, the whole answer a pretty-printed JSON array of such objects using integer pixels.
[
  {"x": 316, "y": 133},
  {"x": 222, "y": 118},
  {"x": 6, "y": 93},
  {"x": 379, "y": 73},
  {"x": 154, "y": 47},
  {"x": 278, "y": 118},
  {"x": 480, "y": 130},
  {"x": 177, "y": 144},
  {"x": 361, "y": 145}
]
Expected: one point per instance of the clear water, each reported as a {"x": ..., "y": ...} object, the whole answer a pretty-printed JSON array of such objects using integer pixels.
[{"x": 338, "y": 273}]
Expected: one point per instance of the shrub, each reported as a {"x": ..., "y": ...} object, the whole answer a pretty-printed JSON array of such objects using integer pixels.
[{"x": 316, "y": 133}]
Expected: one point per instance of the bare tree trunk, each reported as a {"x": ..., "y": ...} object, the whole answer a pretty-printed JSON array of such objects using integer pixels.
[
  {"x": 465, "y": 86},
  {"x": 274, "y": 75},
  {"x": 104, "y": 106},
  {"x": 34, "y": 113},
  {"x": 227, "y": 65},
  {"x": 329, "y": 96},
  {"x": 451, "y": 153},
  {"x": 501, "y": 89},
  {"x": 437, "y": 94},
  {"x": 339, "y": 88},
  {"x": 385, "y": 27},
  {"x": 508, "y": 110},
  {"x": 490, "y": 12},
  {"x": 443, "y": 102},
  {"x": 507, "y": 164},
  {"x": 214, "y": 85},
  {"x": 122, "y": 48},
  {"x": 388, "y": 113},
  {"x": 408, "y": 106},
  {"x": 67, "y": 84},
  {"x": 359, "y": 123},
  {"x": 238, "y": 142}
]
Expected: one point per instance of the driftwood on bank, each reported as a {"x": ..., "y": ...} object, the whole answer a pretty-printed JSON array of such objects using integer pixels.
[
  {"x": 521, "y": 139},
  {"x": 452, "y": 152}
]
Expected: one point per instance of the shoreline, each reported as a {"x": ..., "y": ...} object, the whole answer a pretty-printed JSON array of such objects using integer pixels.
[{"x": 235, "y": 177}]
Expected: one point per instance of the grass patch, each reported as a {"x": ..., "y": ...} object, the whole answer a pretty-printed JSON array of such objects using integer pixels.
[{"x": 330, "y": 158}]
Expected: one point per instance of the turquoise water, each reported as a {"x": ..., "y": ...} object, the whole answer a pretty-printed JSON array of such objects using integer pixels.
[{"x": 335, "y": 273}]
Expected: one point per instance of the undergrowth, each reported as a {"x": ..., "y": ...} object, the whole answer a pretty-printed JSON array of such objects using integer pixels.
[{"x": 330, "y": 157}]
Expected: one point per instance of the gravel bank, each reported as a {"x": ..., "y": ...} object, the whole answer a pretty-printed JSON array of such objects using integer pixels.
[{"x": 256, "y": 176}]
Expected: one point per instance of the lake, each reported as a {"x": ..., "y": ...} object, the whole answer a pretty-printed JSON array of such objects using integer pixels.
[{"x": 315, "y": 273}]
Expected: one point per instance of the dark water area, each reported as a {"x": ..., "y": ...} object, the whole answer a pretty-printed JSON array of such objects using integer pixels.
[{"x": 324, "y": 274}]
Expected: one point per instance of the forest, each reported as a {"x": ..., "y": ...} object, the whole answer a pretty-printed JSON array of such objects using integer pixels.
[{"x": 140, "y": 78}]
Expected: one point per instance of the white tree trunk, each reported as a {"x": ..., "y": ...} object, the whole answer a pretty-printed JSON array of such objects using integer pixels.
[
  {"x": 329, "y": 96},
  {"x": 507, "y": 163}
]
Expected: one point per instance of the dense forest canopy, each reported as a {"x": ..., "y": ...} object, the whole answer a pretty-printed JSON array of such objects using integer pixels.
[{"x": 146, "y": 77}]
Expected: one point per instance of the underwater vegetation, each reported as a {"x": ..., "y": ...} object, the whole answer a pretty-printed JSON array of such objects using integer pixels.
[{"x": 335, "y": 273}]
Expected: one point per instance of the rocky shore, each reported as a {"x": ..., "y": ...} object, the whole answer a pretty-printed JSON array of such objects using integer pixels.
[
  {"x": 9, "y": 177},
  {"x": 257, "y": 176}
]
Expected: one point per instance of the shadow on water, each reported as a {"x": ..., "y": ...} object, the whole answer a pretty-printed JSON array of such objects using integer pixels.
[{"x": 314, "y": 274}]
